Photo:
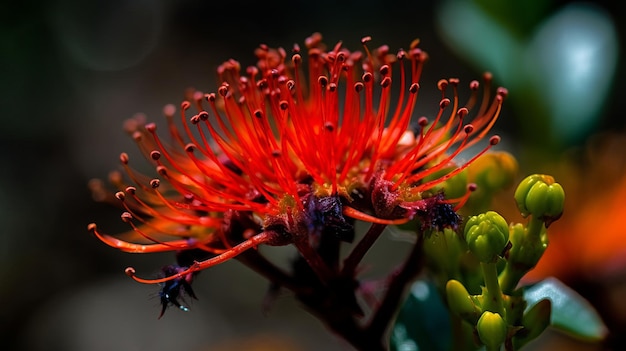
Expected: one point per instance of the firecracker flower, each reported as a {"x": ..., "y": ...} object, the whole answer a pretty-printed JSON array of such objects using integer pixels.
[{"x": 293, "y": 151}]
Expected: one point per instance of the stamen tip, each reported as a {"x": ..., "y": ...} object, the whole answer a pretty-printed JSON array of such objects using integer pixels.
[
  {"x": 444, "y": 103},
  {"x": 155, "y": 155},
  {"x": 126, "y": 217},
  {"x": 169, "y": 110},
  {"x": 462, "y": 112}
]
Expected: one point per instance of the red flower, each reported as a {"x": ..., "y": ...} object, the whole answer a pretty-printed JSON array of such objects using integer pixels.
[{"x": 300, "y": 148}]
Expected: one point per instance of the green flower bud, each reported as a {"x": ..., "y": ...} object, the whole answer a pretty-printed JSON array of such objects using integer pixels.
[
  {"x": 493, "y": 171},
  {"x": 487, "y": 235},
  {"x": 461, "y": 302},
  {"x": 539, "y": 195},
  {"x": 492, "y": 330}
]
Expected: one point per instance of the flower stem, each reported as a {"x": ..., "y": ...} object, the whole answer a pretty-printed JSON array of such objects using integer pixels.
[
  {"x": 397, "y": 286},
  {"x": 359, "y": 251},
  {"x": 493, "y": 295},
  {"x": 534, "y": 228},
  {"x": 315, "y": 261}
]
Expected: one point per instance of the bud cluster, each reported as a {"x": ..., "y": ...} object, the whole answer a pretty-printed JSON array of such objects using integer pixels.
[{"x": 492, "y": 256}]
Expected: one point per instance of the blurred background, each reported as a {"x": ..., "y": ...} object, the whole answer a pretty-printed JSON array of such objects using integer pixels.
[{"x": 72, "y": 71}]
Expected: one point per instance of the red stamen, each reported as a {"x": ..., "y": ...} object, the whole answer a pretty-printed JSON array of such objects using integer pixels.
[{"x": 253, "y": 242}]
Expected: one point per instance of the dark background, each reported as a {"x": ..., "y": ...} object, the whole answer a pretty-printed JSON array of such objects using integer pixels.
[{"x": 70, "y": 73}]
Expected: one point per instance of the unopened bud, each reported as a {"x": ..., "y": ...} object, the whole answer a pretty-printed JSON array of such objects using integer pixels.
[
  {"x": 492, "y": 330},
  {"x": 494, "y": 171},
  {"x": 539, "y": 195},
  {"x": 460, "y": 301},
  {"x": 487, "y": 235}
]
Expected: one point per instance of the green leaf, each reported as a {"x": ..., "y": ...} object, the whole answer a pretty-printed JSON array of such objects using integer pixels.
[
  {"x": 571, "y": 313},
  {"x": 423, "y": 322}
]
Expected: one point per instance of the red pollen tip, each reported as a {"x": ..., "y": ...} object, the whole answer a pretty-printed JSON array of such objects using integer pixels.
[
  {"x": 468, "y": 129},
  {"x": 401, "y": 54},
  {"x": 494, "y": 140},
  {"x": 131, "y": 190},
  {"x": 210, "y": 97},
  {"x": 120, "y": 195},
  {"x": 454, "y": 81},
  {"x": 252, "y": 71},
  {"x": 502, "y": 92},
  {"x": 223, "y": 90},
  {"x": 91, "y": 227},
  {"x": 124, "y": 158},
  {"x": 442, "y": 84},
  {"x": 115, "y": 177},
  {"x": 155, "y": 155},
  {"x": 155, "y": 183},
  {"x": 161, "y": 170},
  {"x": 366, "y": 39},
  {"x": 190, "y": 147},
  {"x": 283, "y": 104},
  {"x": 414, "y": 88},
  {"x": 384, "y": 70},
  {"x": 151, "y": 127},
  {"x": 126, "y": 217},
  {"x": 444, "y": 103},
  {"x": 130, "y": 271},
  {"x": 367, "y": 76},
  {"x": 472, "y": 187},
  {"x": 169, "y": 110},
  {"x": 474, "y": 85},
  {"x": 185, "y": 105},
  {"x": 290, "y": 84},
  {"x": 322, "y": 80},
  {"x": 358, "y": 87},
  {"x": 462, "y": 112},
  {"x": 385, "y": 82},
  {"x": 203, "y": 115},
  {"x": 422, "y": 121}
]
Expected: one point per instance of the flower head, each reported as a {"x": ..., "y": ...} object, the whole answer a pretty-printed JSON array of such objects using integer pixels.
[{"x": 297, "y": 148}]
